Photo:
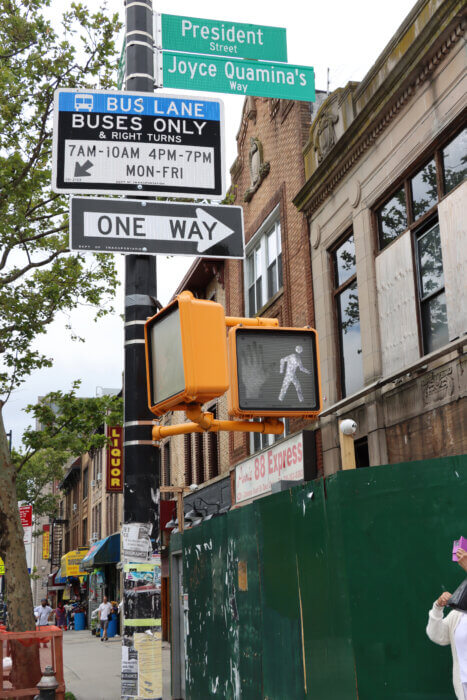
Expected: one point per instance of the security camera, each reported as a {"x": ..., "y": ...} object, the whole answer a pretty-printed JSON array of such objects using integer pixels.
[
  {"x": 348, "y": 427},
  {"x": 193, "y": 487}
]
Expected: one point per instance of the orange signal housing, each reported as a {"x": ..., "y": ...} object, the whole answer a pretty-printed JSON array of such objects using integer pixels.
[
  {"x": 203, "y": 349},
  {"x": 233, "y": 395}
]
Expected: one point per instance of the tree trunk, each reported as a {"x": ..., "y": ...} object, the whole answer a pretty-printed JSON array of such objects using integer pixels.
[{"x": 26, "y": 671}]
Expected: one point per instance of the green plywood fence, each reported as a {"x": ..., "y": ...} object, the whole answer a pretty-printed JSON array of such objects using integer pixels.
[{"x": 336, "y": 580}]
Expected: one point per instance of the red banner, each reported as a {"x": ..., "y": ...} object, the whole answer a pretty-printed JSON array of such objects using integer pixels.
[
  {"x": 25, "y": 513},
  {"x": 115, "y": 459}
]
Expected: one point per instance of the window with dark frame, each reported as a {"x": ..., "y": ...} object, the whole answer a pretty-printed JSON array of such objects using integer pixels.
[
  {"x": 260, "y": 441},
  {"x": 166, "y": 473},
  {"x": 430, "y": 282},
  {"x": 213, "y": 449},
  {"x": 348, "y": 316},
  {"x": 85, "y": 483},
  {"x": 187, "y": 450},
  {"x": 199, "y": 459},
  {"x": 414, "y": 207},
  {"x": 421, "y": 190}
]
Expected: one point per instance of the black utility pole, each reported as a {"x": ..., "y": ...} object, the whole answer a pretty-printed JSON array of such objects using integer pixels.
[{"x": 141, "y": 458}]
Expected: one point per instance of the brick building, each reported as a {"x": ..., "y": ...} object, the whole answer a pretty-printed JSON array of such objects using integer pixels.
[
  {"x": 273, "y": 281},
  {"x": 89, "y": 515}
]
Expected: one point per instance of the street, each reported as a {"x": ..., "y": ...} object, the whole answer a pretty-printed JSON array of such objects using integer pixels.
[{"x": 92, "y": 668}]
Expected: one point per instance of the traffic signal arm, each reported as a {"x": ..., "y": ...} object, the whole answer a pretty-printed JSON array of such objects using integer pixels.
[
  {"x": 232, "y": 321},
  {"x": 270, "y": 426}
]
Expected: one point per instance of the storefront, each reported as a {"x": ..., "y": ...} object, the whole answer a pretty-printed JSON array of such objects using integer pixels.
[
  {"x": 55, "y": 588},
  {"x": 76, "y": 587},
  {"x": 103, "y": 575}
]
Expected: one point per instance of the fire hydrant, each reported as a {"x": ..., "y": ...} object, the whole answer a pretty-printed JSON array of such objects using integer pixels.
[{"x": 47, "y": 685}]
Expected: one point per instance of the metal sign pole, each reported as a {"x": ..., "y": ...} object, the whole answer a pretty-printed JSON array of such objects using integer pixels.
[{"x": 141, "y": 459}]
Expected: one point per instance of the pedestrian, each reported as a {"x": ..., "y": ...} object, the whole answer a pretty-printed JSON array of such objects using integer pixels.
[
  {"x": 60, "y": 615},
  {"x": 104, "y": 611},
  {"x": 43, "y": 613},
  {"x": 452, "y": 630}
]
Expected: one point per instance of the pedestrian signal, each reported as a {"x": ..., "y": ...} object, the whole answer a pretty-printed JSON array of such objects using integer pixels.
[
  {"x": 274, "y": 372},
  {"x": 186, "y": 354}
]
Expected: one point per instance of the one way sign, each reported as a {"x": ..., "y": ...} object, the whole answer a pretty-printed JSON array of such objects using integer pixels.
[{"x": 136, "y": 226}]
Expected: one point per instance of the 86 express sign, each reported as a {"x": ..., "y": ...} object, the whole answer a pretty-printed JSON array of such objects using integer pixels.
[
  {"x": 129, "y": 143},
  {"x": 281, "y": 462}
]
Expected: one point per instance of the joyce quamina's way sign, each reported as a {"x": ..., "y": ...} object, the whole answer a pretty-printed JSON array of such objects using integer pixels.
[
  {"x": 216, "y": 74},
  {"x": 130, "y": 143},
  {"x": 134, "y": 226}
]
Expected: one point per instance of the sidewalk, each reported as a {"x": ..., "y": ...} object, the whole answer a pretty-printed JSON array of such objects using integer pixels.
[{"x": 92, "y": 668}]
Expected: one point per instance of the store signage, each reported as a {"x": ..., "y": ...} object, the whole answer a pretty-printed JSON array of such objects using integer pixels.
[
  {"x": 46, "y": 542},
  {"x": 25, "y": 513},
  {"x": 2, "y": 567},
  {"x": 136, "y": 143},
  {"x": 115, "y": 459},
  {"x": 242, "y": 77},
  {"x": 281, "y": 462},
  {"x": 71, "y": 563},
  {"x": 171, "y": 228},
  {"x": 208, "y": 36}
]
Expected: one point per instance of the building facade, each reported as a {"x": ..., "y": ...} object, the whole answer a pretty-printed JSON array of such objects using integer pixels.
[
  {"x": 87, "y": 528},
  {"x": 385, "y": 200}
]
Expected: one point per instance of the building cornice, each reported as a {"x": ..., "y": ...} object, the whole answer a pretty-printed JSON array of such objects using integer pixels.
[{"x": 381, "y": 107}]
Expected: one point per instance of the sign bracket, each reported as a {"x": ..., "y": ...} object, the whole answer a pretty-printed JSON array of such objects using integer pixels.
[{"x": 204, "y": 422}]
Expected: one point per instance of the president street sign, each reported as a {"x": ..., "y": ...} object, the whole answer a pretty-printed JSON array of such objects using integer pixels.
[
  {"x": 214, "y": 74},
  {"x": 148, "y": 227},
  {"x": 229, "y": 39},
  {"x": 109, "y": 142}
]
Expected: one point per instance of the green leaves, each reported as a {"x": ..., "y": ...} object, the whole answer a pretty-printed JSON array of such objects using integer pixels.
[
  {"x": 67, "y": 426},
  {"x": 39, "y": 277}
]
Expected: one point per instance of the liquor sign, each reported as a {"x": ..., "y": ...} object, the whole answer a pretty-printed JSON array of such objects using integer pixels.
[
  {"x": 115, "y": 459},
  {"x": 284, "y": 461},
  {"x": 136, "y": 143},
  {"x": 171, "y": 228},
  {"x": 234, "y": 39},
  {"x": 214, "y": 74},
  {"x": 25, "y": 513},
  {"x": 46, "y": 542}
]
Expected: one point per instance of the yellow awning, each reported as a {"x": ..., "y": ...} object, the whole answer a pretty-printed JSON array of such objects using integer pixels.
[{"x": 70, "y": 564}]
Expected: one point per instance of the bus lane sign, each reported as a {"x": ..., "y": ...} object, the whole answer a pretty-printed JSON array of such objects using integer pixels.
[{"x": 129, "y": 143}]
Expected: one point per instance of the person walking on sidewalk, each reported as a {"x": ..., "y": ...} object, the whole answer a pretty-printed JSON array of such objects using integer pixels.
[
  {"x": 60, "y": 615},
  {"x": 452, "y": 630},
  {"x": 43, "y": 614},
  {"x": 104, "y": 611}
]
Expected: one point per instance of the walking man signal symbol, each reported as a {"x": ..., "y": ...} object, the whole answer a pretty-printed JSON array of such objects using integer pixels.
[{"x": 292, "y": 362}]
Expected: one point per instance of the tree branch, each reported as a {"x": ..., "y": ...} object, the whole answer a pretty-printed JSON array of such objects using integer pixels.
[{"x": 19, "y": 273}]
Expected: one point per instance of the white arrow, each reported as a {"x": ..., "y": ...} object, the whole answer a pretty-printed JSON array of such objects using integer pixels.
[{"x": 203, "y": 229}]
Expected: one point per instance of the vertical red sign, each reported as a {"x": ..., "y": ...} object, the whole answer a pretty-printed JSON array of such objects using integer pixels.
[
  {"x": 115, "y": 459},
  {"x": 25, "y": 513}
]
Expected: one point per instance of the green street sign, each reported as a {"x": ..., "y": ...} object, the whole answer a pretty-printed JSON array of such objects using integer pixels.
[
  {"x": 121, "y": 67},
  {"x": 214, "y": 74},
  {"x": 229, "y": 39}
]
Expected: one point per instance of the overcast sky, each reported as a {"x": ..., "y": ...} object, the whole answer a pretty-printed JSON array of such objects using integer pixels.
[{"x": 345, "y": 37}]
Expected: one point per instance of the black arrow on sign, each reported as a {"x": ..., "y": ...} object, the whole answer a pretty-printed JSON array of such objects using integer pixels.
[{"x": 82, "y": 170}]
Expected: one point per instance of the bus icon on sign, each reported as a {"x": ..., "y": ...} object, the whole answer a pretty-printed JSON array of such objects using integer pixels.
[{"x": 84, "y": 102}]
